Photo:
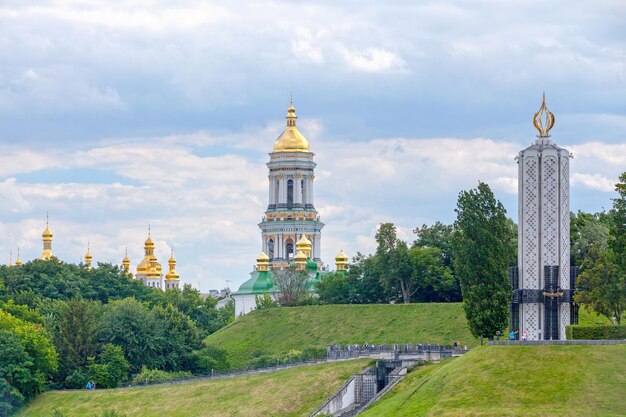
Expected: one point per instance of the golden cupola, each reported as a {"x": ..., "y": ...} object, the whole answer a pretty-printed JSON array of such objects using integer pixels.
[
  {"x": 47, "y": 243},
  {"x": 18, "y": 261},
  {"x": 172, "y": 275},
  {"x": 304, "y": 245},
  {"x": 126, "y": 263},
  {"x": 341, "y": 261},
  {"x": 300, "y": 260},
  {"x": 291, "y": 140},
  {"x": 262, "y": 262},
  {"x": 149, "y": 268},
  {"x": 88, "y": 258}
]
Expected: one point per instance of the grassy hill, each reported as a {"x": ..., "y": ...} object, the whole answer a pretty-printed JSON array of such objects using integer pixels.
[
  {"x": 279, "y": 330},
  {"x": 515, "y": 381},
  {"x": 293, "y": 392}
]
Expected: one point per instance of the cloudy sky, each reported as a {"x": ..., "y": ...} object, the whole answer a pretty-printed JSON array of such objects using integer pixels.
[{"x": 116, "y": 115}]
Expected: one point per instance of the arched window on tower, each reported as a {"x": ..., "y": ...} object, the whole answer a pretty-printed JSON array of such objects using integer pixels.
[
  {"x": 289, "y": 249},
  {"x": 277, "y": 192},
  {"x": 289, "y": 193},
  {"x": 302, "y": 199},
  {"x": 270, "y": 248}
]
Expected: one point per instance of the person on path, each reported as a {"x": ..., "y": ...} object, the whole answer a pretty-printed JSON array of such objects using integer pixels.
[
  {"x": 512, "y": 335},
  {"x": 525, "y": 335}
]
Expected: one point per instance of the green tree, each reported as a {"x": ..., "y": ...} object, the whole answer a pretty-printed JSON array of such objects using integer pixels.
[
  {"x": 602, "y": 282},
  {"x": 291, "y": 284},
  {"x": 438, "y": 236},
  {"x": 16, "y": 373},
  {"x": 481, "y": 245},
  {"x": 24, "y": 370},
  {"x": 110, "y": 369},
  {"x": 178, "y": 336},
  {"x": 130, "y": 325},
  {"x": 587, "y": 230},
  {"x": 334, "y": 288},
  {"x": 393, "y": 262},
  {"x": 432, "y": 280},
  {"x": 74, "y": 328}
]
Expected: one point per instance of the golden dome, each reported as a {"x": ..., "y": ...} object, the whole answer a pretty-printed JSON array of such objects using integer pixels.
[
  {"x": 341, "y": 256},
  {"x": 18, "y": 261},
  {"x": 88, "y": 257},
  {"x": 291, "y": 140},
  {"x": 172, "y": 275},
  {"x": 262, "y": 262},
  {"x": 341, "y": 261},
  {"x": 303, "y": 242}
]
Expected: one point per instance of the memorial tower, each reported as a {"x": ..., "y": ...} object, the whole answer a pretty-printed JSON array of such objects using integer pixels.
[{"x": 542, "y": 282}]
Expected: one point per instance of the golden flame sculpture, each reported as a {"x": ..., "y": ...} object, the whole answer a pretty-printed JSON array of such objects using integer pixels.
[{"x": 543, "y": 119}]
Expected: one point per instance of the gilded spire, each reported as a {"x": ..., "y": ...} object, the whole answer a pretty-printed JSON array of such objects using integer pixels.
[
  {"x": 88, "y": 257},
  {"x": 18, "y": 261},
  {"x": 126, "y": 262},
  {"x": 47, "y": 242},
  {"x": 543, "y": 119},
  {"x": 11, "y": 258},
  {"x": 172, "y": 275}
]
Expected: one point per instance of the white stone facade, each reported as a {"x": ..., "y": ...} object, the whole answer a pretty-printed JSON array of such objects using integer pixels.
[
  {"x": 543, "y": 229},
  {"x": 291, "y": 210}
]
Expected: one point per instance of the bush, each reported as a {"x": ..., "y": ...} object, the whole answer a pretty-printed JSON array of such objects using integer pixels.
[
  {"x": 156, "y": 376},
  {"x": 595, "y": 332},
  {"x": 209, "y": 359}
]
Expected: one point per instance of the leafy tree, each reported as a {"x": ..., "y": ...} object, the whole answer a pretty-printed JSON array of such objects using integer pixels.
[
  {"x": 265, "y": 301},
  {"x": 75, "y": 330},
  {"x": 178, "y": 336},
  {"x": 110, "y": 369},
  {"x": 291, "y": 285},
  {"x": 587, "y": 230},
  {"x": 438, "y": 236},
  {"x": 130, "y": 325},
  {"x": 602, "y": 282},
  {"x": 24, "y": 370},
  {"x": 23, "y": 312},
  {"x": 15, "y": 373},
  {"x": 334, "y": 288},
  {"x": 393, "y": 263},
  {"x": 481, "y": 257},
  {"x": 432, "y": 280}
]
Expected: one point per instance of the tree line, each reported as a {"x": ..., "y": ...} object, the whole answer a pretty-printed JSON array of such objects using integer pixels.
[{"x": 62, "y": 326}]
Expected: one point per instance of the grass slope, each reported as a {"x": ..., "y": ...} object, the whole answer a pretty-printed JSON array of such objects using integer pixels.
[
  {"x": 515, "y": 381},
  {"x": 292, "y": 392},
  {"x": 279, "y": 330}
]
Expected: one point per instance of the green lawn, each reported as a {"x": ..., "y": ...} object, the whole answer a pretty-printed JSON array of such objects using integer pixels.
[
  {"x": 292, "y": 392},
  {"x": 574, "y": 381},
  {"x": 279, "y": 330}
]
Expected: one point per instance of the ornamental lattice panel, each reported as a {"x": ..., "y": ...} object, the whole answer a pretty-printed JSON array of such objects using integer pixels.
[
  {"x": 530, "y": 223},
  {"x": 531, "y": 320},
  {"x": 565, "y": 226},
  {"x": 549, "y": 211},
  {"x": 565, "y": 319}
]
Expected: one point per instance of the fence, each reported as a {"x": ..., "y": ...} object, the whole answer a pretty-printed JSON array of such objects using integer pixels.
[{"x": 393, "y": 351}]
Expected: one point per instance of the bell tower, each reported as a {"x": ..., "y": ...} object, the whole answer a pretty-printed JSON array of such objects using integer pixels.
[{"x": 290, "y": 211}]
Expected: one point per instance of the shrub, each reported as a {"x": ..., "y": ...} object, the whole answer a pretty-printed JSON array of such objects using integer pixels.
[
  {"x": 156, "y": 376},
  {"x": 595, "y": 332}
]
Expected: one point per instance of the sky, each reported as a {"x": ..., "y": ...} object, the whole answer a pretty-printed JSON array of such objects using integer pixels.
[{"x": 116, "y": 115}]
